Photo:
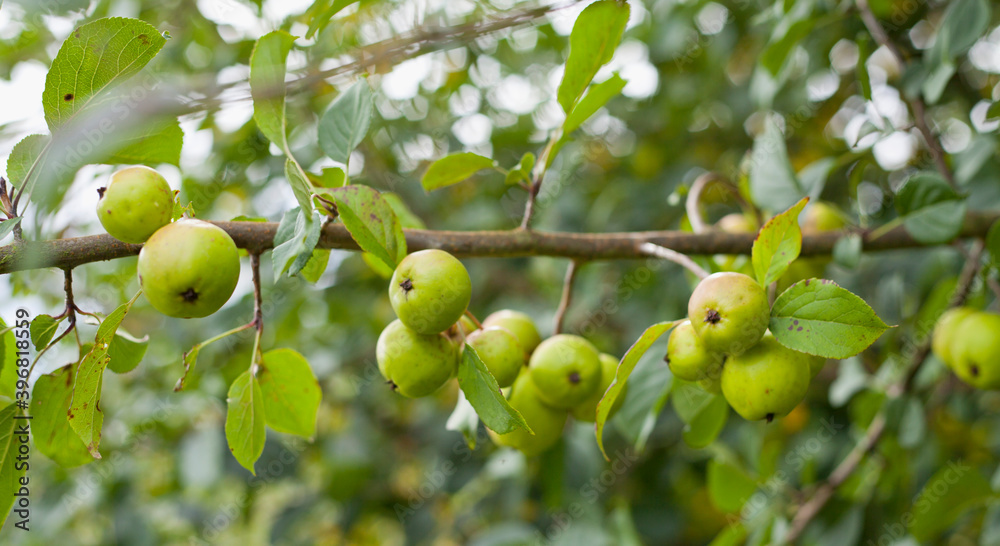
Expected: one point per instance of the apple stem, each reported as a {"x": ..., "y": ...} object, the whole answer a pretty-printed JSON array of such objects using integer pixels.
[
  {"x": 473, "y": 319},
  {"x": 657, "y": 251}
]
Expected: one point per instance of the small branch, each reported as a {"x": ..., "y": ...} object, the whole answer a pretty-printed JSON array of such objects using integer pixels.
[
  {"x": 538, "y": 175},
  {"x": 664, "y": 253},
  {"x": 693, "y": 203},
  {"x": 812, "y": 507},
  {"x": 567, "y": 296},
  {"x": 916, "y": 103},
  {"x": 258, "y": 304},
  {"x": 69, "y": 312}
]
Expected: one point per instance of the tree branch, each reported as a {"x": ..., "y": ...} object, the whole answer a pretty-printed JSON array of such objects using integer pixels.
[
  {"x": 567, "y": 296},
  {"x": 258, "y": 236}
]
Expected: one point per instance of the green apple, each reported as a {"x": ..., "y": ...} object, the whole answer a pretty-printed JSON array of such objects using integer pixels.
[
  {"x": 189, "y": 268},
  {"x": 687, "y": 356},
  {"x": 430, "y": 291},
  {"x": 547, "y": 423},
  {"x": 976, "y": 350},
  {"x": 946, "y": 331},
  {"x": 466, "y": 325},
  {"x": 566, "y": 370},
  {"x": 137, "y": 202},
  {"x": 500, "y": 351},
  {"x": 517, "y": 323},
  {"x": 587, "y": 410},
  {"x": 729, "y": 311},
  {"x": 736, "y": 223},
  {"x": 819, "y": 217},
  {"x": 766, "y": 381},
  {"x": 415, "y": 364}
]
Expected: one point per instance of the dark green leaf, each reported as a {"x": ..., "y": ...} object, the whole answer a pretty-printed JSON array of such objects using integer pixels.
[
  {"x": 817, "y": 317},
  {"x": 778, "y": 244},
  {"x": 484, "y": 395},
  {"x": 245, "y": 420},
  {"x": 345, "y": 123},
  {"x": 596, "y": 34},
  {"x": 729, "y": 486},
  {"x": 95, "y": 58},
  {"x": 126, "y": 352},
  {"x": 950, "y": 492},
  {"x": 932, "y": 211},
  {"x": 625, "y": 368},
  {"x": 291, "y": 392},
  {"x": 454, "y": 168},
  {"x": 864, "y": 80},
  {"x": 50, "y": 429},
  {"x": 773, "y": 184},
  {"x": 707, "y": 424},
  {"x": 267, "y": 85},
  {"x": 371, "y": 222},
  {"x": 42, "y": 328}
]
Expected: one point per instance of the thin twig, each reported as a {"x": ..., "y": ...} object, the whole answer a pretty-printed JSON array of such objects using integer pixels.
[
  {"x": 693, "y": 203},
  {"x": 258, "y": 314},
  {"x": 69, "y": 312},
  {"x": 916, "y": 103},
  {"x": 812, "y": 507},
  {"x": 538, "y": 175},
  {"x": 567, "y": 296},
  {"x": 473, "y": 319},
  {"x": 665, "y": 253}
]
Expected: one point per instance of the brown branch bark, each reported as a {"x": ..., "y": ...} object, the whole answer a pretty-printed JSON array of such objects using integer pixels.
[{"x": 258, "y": 236}]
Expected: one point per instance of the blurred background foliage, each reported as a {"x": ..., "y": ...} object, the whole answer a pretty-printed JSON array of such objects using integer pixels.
[{"x": 703, "y": 78}]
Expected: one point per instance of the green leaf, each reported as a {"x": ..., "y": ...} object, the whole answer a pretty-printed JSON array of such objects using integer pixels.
[
  {"x": 707, "y": 424},
  {"x": 625, "y": 368},
  {"x": 95, "y": 58},
  {"x": 290, "y": 392},
  {"x": 464, "y": 419},
  {"x": 23, "y": 157},
  {"x": 301, "y": 186},
  {"x": 484, "y": 394},
  {"x": 773, "y": 184},
  {"x": 321, "y": 12},
  {"x": 154, "y": 143},
  {"x": 598, "y": 96},
  {"x": 521, "y": 173},
  {"x": 126, "y": 352},
  {"x": 454, "y": 168},
  {"x": 371, "y": 222},
  {"x": 8, "y": 360},
  {"x": 7, "y": 226},
  {"x": 267, "y": 85},
  {"x": 50, "y": 429},
  {"x": 596, "y": 34},
  {"x": 85, "y": 415},
  {"x": 964, "y": 22},
  {"x": 778, "y": 244},
  {"x": 993, "y": 112},
  {"x": 932, "y": 211},
  {"x": 345, "y": 124},
  {"x": 406, "y": 216},
  {"x": 295, "y": 240},
  {"x": 42, "y": 328},
  {"x": 817, "y": 317},
  {"x": 864, "y": 79},
  {"x": 331, "y": 177},
  {"x": 952, "y": 490},
  {"x": 11, "y": 439},
  {"x": 729, "y": 486},
  {"x": 316, "y": 265},
  {"x": 245, "y": 420}
]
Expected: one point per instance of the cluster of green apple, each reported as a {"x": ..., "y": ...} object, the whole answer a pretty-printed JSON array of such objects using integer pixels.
[
  {"x": 421, "y": 350},
  {"x": 725, "y": 347},
  {"x": 968, "y": 342},
  {"x": 187, "y": 268}
]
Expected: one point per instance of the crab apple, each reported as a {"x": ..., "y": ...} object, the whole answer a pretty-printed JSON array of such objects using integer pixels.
[
  {"x": 566, "y": 370},
  {"x": 976, "y": 350},
  {"x": 819, "y": 217},
  {"x": 189, "y": 268},
  {"x": 500, "y": 351},
  {"x": 430, "y": 291},
  {"x": 546, "y": 422},
  {"x": 946, "y": 331},
  {"x": 736, "y": 223},
  {"x": 137, "y": 202},
  {"x": 687, "y": 356},
  {"x": 766, "y": 381},
  {"x": 729, "y": 311},
  {"x": 517, "y": 323},
  {"x": 415, "y": 364},
  {"x": 587, "y": 410}
]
